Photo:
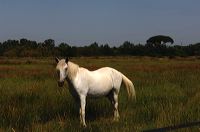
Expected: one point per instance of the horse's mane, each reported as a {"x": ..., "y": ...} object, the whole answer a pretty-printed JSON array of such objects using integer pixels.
[{"x": 72, "y": 70}]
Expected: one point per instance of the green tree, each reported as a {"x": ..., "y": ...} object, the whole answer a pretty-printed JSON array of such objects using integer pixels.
[
  {"x": 28, "y": 43},
  {"x": 64, "y": 49},
  {"x": 49, "y": 43},
  {"x": 106, "y": 50},
  {"x": 126, "y": 48},
  {"x": 47, "y": 47},
  {"x": 159, "y": 40},
  {"x": 94, "y": 49},
  {"x": 1, "y": 49}
]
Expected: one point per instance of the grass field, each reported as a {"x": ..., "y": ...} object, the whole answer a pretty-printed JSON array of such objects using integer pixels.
[{"x": 168, "y": 93}]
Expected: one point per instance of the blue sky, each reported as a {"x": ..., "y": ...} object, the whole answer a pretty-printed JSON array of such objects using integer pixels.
[{"x": 81, "y": 22}]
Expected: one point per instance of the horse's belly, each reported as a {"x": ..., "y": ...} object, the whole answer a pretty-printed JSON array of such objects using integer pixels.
[
  {"x": 99, "y": 89},
  {"x": 97, "y": 94}
]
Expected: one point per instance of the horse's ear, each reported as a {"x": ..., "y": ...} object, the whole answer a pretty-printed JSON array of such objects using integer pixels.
[
  {"x": 66, "y": 60},
  {"x": 57, "y": 60}
]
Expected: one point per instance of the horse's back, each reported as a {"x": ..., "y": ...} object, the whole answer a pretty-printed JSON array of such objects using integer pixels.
[
  {"x": 104, "y": 70},
  {"x": 103, "y": 80}
]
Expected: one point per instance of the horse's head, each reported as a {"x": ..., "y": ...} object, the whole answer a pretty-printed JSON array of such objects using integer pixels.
[{"x": 61, "y": 69}]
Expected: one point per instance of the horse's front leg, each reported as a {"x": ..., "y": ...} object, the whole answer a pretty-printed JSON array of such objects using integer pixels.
[
  {"x": 82, "y": 109},
  {"x": 80, "y": 115}
]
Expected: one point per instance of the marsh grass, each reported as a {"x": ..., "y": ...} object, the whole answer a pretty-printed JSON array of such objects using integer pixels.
[{"x": 168, "y": 93}]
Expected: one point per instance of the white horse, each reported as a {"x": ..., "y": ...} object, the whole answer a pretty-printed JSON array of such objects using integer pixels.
[{"x": 102, "y": 82}]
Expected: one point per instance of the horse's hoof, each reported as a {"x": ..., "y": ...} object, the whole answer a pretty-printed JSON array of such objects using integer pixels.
[
  {"x": 83, "y": 125},
  {"x": 116, "y": 119}
]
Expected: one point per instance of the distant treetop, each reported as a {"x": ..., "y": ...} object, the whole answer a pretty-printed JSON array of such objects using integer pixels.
[{"x": 160, "y": 39}]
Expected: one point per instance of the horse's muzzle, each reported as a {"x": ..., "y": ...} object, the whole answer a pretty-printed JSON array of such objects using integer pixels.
[{"x": 60, "y": 84}]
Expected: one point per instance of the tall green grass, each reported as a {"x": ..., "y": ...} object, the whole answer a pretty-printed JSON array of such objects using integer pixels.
[{"x": 168, "y": 93}]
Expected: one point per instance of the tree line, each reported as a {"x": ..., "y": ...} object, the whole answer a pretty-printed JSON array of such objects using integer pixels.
[{"x": 29, "y": 48}]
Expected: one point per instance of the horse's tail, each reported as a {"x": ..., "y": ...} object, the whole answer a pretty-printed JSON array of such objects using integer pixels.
[{"x": 129, "y": 87}]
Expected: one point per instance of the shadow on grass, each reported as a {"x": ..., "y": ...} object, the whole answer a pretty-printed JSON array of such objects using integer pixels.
[{"x": 175, "y": 127}]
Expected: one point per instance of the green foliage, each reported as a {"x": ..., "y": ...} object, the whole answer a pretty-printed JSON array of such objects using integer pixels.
[
  {"x": 159, "y": 39},
  {"x": 155, "y": 47},
  {"x": 64, "y": 49}
]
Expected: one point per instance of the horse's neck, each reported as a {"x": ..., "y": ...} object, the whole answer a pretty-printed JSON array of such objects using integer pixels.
[{"x": 72, "y": 71}]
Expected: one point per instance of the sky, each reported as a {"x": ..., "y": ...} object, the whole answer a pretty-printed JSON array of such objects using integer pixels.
[{"x": 82, "y": 22}]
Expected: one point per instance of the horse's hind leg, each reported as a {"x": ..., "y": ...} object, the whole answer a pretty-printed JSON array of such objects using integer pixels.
[
  {"x": 116, "y": 112},
  {"x": 113, "y": 97}
]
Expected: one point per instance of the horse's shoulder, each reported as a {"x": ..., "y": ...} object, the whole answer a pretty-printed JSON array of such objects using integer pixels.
[{"x": 83, "y": 70}]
